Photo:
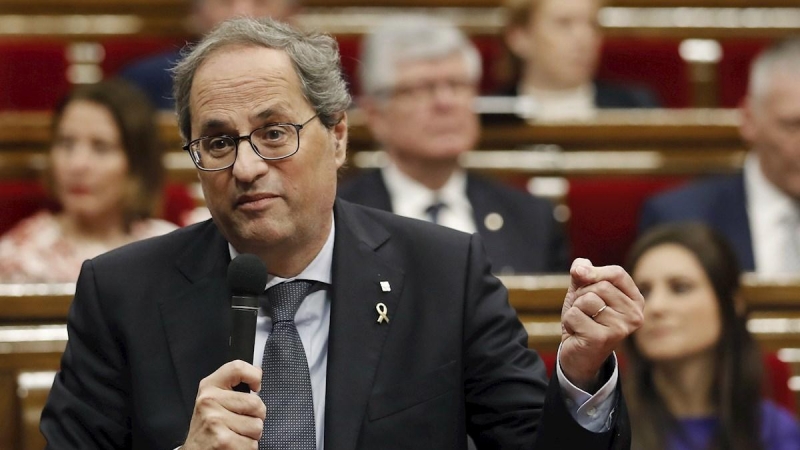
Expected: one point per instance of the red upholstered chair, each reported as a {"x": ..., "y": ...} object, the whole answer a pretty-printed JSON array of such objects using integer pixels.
[
  {"x": 20, "y": 199},
  {"x": 776, "y": 382},
  {"x": 734, "y": 68},
  {"x": 604, "y": 214},
  {"x": 654, "y": 63},
  {"x": 33, "y": 74}
]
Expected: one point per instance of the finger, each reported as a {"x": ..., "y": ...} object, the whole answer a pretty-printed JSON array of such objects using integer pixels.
[
  {"x": 233, "y": 373},
  {"x": 581, "y": 273},
  {"x": 245, "y": 426},
  {"x": 245, "y": 404},
  {"x": 589, "y": 303},
  {"x": 577, "y": 323},
  {"x": 617, "y": 276},
  {"x": 610, "y": 295}
]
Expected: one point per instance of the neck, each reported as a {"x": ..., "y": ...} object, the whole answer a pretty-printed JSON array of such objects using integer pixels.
[
  {"x": 432, "y": 174},
  {"x": 108, "y": 229},
  {"x": 288, "y": 259},
  {"x": 536, "y": 80},
  {"x": 686, "y": 385}
]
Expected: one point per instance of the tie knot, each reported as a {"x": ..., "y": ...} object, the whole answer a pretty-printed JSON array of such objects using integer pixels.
[
  {"x": 285, "y": 298},
  {"x": 433, "y": 210}
]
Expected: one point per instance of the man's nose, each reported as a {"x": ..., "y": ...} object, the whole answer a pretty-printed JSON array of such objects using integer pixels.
[{"x": 248, "y": 165}]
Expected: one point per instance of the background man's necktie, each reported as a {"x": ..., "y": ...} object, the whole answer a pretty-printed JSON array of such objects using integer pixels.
[
  {"x": 285, "y": 383},
  {"x": 433, "y": 211}
]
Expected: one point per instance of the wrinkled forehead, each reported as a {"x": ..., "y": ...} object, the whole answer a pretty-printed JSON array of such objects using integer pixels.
[{"x": 235, "y": 81}]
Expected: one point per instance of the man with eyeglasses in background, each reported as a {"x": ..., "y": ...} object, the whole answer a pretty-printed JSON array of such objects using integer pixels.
[
  {"x": 374, "y": 331},
  {"x": 420, "y": 77}
]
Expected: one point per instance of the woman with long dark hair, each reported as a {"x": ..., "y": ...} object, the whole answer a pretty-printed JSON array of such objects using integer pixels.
[
  {"x": 694, "y": 378},
  {"x": 105, "y": 174}
]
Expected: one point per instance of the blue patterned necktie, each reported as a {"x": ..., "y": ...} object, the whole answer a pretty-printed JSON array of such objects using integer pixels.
[{"x": 286, "y": 383}]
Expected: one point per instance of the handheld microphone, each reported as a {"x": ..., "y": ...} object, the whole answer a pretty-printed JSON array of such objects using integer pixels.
[{"x": 247, "y": 277}]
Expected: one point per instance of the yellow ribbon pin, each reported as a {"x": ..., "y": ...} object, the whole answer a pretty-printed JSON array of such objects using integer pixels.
[{"x": 381, "y": 308}]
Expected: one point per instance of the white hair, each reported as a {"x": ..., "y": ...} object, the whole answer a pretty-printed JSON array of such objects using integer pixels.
[
  {"x": 783, "y": 56},
  {"x": 411, "y": 38}
]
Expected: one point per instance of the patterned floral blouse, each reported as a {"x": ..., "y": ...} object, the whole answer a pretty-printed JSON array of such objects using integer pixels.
[{"x": 37, "y": 251}]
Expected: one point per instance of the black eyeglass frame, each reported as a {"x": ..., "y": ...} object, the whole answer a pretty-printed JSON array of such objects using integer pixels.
[{"x": 238, "y": 139}]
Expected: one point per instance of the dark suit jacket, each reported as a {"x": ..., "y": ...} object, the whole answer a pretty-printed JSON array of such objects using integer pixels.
[
  {"x": 152, "y": 75},
  {"x": 150, "y": 320},
  {"x": 612, "y": 95},
  {"x": 530, "y": 240},
  {"x": 720, "y": 202}
]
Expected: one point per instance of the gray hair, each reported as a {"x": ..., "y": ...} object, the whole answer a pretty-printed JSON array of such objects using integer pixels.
[
  {"x": 411, "y": 38},
  {"x": 315, "y": 57},
  {"x": 783, "y": 56}
]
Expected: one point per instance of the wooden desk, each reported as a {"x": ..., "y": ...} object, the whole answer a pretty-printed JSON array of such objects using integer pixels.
[
  {"x": 774, "y": 304},
  {"x": 677, "y": 142},
  {"x": 710, "y": 18}
]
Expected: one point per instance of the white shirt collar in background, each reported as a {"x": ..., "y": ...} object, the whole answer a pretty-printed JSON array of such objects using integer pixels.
[
  {"x": 767, "y": 210},
  {"x": 410, "y": 198}
]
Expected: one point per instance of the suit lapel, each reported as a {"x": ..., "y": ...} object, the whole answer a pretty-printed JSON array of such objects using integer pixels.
[
  {"x": 356, "y": 338},
  {"x": 195, "y": 315},
  {"x": 481, "y": 207},
  {"x": 731, "y": 217}
]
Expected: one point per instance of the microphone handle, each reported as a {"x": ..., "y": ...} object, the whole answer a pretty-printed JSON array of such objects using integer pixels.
[{"x": 244, "y": 312}]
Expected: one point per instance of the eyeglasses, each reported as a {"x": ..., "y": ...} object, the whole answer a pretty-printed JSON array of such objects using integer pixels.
[
  {"x": 420, "y": 92},
  {"x": 271, "y": 142}
]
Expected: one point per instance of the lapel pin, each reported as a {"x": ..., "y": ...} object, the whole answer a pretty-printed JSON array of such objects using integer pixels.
[
  {"x": 493, "y": 221},
  {"x": 381, "y": 308},
  {"x": 385, "y": 287}
]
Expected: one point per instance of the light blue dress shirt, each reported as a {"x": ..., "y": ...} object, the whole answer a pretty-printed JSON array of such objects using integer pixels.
[{"x": 313, "y": 318}]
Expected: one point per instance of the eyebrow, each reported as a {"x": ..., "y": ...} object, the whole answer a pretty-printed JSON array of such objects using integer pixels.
[{"x": 212, "y": 124}]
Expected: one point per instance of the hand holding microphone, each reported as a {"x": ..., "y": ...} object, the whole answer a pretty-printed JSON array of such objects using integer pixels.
[{"x": 223, "y": 418}]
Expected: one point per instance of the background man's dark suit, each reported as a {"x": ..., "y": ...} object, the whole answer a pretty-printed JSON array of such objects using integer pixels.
[
  {"x": 149, "y": 321},
  {"x": 529, "y": 241},
  {"x": 612, "y": 95},
  {"x": 720, "y": 202}
]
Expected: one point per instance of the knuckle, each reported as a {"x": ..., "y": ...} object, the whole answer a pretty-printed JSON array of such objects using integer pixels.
[{"x": 204, "y": 400}]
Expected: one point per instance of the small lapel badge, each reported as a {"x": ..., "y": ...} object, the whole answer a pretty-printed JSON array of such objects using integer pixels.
[
  {"x": 381, "y": 308},
  {"x": 385, "y": 287},
  {"x": 493, "y": 221}
]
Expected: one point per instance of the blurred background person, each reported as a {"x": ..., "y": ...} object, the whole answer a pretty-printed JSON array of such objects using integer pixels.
[
  {"x": 105, "y": 173},
  {"x": 757, "y": 210},
  {"x": 556, "y": 46},
  {"x": 694, "y": 372},
  {"x": 419, "y": 77},
  {"x": 152, "y": 74}
]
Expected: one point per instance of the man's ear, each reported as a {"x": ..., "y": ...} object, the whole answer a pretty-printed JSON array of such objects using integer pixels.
[
  {"x": 747, "y": 120},
  {"x": 339, "y": 137}
]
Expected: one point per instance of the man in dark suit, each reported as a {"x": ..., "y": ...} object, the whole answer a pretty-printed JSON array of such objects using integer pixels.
[
  {"x": 557, "y": 46},
  {"x": 420, "y": 79},
  {"x": 405, "y": 338},
  {"x": 152, "y": 74},
  {"x": 757, "y": 210}
]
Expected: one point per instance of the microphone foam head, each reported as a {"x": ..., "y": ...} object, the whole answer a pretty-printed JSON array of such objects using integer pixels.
[{"x": 247, "y": 275}]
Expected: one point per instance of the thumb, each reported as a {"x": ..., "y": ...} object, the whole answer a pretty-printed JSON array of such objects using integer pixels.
[{"x": 581, "y": 274}]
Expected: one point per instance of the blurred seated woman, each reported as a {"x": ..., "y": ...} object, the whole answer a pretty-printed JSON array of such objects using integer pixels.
[
  {"x": 106, "y": 175},
  {"x": 694, "y": 375}
]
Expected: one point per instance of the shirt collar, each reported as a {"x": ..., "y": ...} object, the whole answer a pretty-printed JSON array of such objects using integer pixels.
[
  {"x": 764, "y": 198},
  {"x": 412, "y": 197},
  {"x": 318, "y": 270}
]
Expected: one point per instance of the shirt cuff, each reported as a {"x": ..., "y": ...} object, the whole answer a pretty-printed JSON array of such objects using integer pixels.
[{"x": 592, "y": 412}]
